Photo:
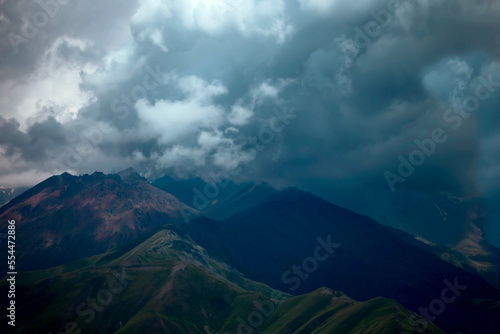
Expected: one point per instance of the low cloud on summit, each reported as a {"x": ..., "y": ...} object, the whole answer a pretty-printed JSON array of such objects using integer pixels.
[{"x": 182, "y": 87}]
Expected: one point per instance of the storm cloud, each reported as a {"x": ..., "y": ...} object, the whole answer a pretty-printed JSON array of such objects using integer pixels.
[{"x": 192, "y": 87}]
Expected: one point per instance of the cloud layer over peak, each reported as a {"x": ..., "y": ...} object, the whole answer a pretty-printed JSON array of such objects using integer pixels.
[{"x": 294, "y": 92}]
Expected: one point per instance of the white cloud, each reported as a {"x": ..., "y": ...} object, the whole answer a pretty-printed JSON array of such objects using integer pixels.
[
  {"x": 321, "y": 6},
  {"x": 333, "y": 7},
  {"x": 53, "y": 89},
  {"x": 266, "y": 18},
  {"x": 240, "y": 115},
  {"x": 174, "y": 120},
  {"x": 448, "y": 79}
]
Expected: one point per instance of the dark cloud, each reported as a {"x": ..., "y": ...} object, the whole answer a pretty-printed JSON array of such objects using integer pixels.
[
  {"x": 37, "y": 144},
  {"x": 191, "y": 88}
]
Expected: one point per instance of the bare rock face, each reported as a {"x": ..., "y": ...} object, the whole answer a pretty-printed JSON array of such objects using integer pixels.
[{"x": 67, "y": 217}]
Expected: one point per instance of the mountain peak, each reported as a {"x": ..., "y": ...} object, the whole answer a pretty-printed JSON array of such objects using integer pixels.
[
  {"x": 87, "y": 215},
  {"x": 130, "y": 175}
]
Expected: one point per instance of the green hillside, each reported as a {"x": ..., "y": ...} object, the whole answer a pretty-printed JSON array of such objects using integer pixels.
[{"x": 168, "y": 284}]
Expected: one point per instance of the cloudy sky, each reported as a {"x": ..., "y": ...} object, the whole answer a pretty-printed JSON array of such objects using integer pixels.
[{"x": 328, "y": 95}]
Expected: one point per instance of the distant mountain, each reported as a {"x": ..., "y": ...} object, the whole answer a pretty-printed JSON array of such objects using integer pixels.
[
  {"x": 66, "y": 217},
  {"x": 287, "y": 239},
  {"x": 217, "y": 200},
  {"x": 6, "y": 194},
  {"x": 452, "y": 226},
  {"x": 440, "y": 218},
  {"x": 475, "y": 255},
  {"x": 220, "y": 201},
  {"x": 456, "y": 226},
  {"x": 169, "y": 284},
  {"x": 182, "y": 189},
  {"x": 268, "y": 242}
]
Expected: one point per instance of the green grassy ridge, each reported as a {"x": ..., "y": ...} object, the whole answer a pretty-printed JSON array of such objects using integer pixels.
[
  {"x": 340, "y": 315},
  {"x": 210, "y": 302},
  {"x": 178, "y": 288},
  {"x": 63, "y": 288},
  {"x": 169, "y": 244}
]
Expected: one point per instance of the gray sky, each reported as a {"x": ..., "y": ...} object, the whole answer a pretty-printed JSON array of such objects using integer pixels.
[{"x": 192, "y": 87}]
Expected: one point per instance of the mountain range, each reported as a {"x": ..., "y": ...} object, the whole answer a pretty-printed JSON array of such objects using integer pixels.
[
  {"x": 194, "y": 261},
  {"x": 66, "y": 217},
  {"x": 168, "y": 284},
  {"x": 273, "y": 243},
  {"x": 8, "y": 193}
]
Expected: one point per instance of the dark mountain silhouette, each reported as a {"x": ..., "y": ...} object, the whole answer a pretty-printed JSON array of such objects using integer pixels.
[
  {"x": 452, "y": 226},
  {"x": 66, "y": 217},
  {"x": 6, "y": 194},
  {"x": 266, "y": 242},
  {"x": 217, "y": 200},
  {"x": 169, "y": 284},
  {"x": 291, "y": 240}
]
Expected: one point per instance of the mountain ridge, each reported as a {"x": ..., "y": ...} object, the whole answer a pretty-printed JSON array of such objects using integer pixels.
[
  {"x": 171, "y": 285},
  {"x": 373, "y": 260},
  {"x": 67, "y": 217}
]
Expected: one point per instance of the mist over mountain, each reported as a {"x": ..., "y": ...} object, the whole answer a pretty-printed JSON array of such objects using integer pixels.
[
  {"x": 352, "y": 91},
  {"x": 291, "y": 240},
  {"x": 456, "y": 225},
  {"x": 276, "y": 243},
  {"x": 250, "y": 166}
]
